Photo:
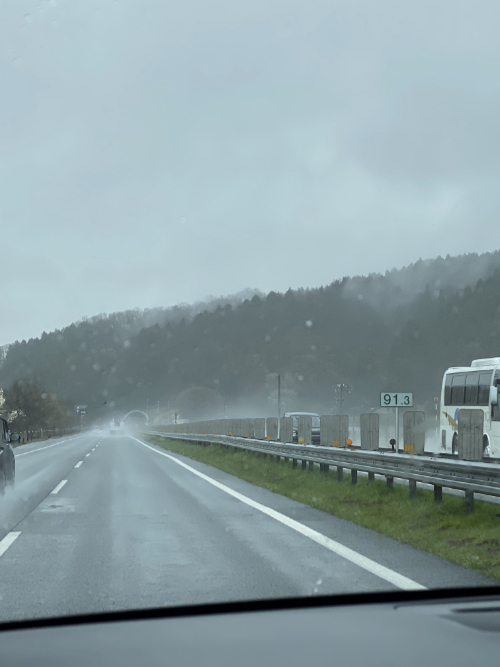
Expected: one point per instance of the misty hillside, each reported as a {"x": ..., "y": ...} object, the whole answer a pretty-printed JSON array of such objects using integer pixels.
[{"x": 396, "y": 332}]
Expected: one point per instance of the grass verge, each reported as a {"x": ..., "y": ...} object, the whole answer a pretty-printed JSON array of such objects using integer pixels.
[{"x": 470, "y": 540}]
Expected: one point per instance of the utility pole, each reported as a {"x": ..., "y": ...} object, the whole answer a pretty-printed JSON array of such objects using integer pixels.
[
  {"x": 342, "y": 389},
  {"x": 279, "y": 395},
  {"x": 279, "y": 404}
]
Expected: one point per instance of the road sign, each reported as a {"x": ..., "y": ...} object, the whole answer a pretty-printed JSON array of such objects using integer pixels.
[{"x": 396, "y": 400}]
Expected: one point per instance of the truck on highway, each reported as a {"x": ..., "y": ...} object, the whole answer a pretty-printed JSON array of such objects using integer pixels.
[{"x": 116, "y": 427}]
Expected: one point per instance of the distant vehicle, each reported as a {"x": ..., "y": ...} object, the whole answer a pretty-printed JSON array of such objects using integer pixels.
[
  {"x": 471, "y": 387},
  {"x": 315, "y": 425},
  {"x": 116, "y": 427},
  {"x": 7, "y": 459}
]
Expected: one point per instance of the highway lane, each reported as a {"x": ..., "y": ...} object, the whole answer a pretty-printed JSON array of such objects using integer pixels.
[
  {"x": 133, "y": 527},
  {"x": 40, "y": 466}
]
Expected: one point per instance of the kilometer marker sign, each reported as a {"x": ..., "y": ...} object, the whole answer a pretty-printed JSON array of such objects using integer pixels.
[{"x": 396, "y": 400}]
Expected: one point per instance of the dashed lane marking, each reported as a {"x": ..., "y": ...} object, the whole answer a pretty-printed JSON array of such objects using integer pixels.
[
  {"x": 58, "y": 487},
  {"x": 9, "y": 539}
]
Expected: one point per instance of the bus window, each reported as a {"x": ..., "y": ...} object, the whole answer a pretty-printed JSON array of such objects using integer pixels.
[
  {"x": 471, "y": 388},
  {"x": 495, "y": 409},
  {"x": 447, "y": 390},
  {"x": 457, "y": 389},
  {"x": 484, "y": 388}
]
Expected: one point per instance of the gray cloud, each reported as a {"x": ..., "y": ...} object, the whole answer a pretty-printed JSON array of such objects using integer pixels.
[{"x": 156, "y": 152}]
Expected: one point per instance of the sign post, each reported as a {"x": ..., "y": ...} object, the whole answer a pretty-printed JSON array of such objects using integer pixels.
[{"x": 396, "y": 400}]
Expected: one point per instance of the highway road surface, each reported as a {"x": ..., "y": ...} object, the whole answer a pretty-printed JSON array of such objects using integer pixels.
[{"x": 100, "y": 523}]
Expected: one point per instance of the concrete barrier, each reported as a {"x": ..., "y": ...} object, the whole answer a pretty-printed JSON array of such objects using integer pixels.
[
  {"x": 286, "y": 429},
  {"x": 413, "y": 432},
  {"x": 272, "y": 428},
  {"x": 304, "y": 430},
  {"x": 340, "y": 430},
  {"x": 470, "y": 434},
  {"x": 247, "y": 428},
  {"x": 369, "y": 431},
  {"x": 326, "y": 430},
  {"x": 260, "y": 428}
]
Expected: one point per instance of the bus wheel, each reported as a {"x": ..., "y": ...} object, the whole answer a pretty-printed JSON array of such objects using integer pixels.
[
  {"x": 486, "y": 445},
  {"x": 454, "y": 444}
]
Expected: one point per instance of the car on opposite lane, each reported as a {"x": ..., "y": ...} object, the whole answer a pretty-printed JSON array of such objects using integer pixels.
[{"x": 7, "y": 458}]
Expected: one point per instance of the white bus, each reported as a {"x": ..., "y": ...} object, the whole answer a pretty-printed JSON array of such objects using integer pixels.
[{"x": 472, "y": 387}]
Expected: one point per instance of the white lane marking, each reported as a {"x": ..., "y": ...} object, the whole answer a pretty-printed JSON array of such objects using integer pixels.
[
  {"x": 58, "y": 487},
  {"x": 78, "y": 464},
  {"x": 9, "y": 539},
  {"x": 87, "y": 455},
  {"x": 46, "y": 447},
  {"x": 368, "y": 564}
]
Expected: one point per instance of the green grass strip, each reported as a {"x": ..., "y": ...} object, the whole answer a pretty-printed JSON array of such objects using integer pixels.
[{"x": 470, "y": 540}]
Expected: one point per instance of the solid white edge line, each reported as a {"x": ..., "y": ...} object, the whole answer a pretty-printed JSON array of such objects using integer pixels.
[
  {"x": 46, "y": 447},
  {"x": 58, "y": 487},
  {"x": 9, "y": 539},
  {"x": 78, "y": 464},
  {"x": 368, "y": 564}
]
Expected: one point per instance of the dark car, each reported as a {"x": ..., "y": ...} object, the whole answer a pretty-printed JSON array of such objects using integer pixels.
[
  {"x": 7, "y": 459},
  {"x": 315, "y": 425}
]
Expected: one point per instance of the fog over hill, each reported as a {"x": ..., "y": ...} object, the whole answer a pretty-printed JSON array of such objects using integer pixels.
[{"x": 398, "y": 331}]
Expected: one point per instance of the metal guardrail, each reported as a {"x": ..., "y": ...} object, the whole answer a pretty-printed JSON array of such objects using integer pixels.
[{"x": 470, "y": 477}]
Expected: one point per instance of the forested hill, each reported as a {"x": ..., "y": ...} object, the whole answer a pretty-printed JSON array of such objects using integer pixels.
[{"x": 396, "y": 332}]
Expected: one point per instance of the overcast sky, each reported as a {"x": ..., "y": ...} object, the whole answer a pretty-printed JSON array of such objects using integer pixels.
[{"x": 156, "y": 152}]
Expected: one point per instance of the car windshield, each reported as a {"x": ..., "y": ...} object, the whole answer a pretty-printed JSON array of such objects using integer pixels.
[{"x": 217, "y": 216}]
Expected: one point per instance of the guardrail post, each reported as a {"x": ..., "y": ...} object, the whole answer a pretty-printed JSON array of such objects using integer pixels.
[
  {"x": 304, "y": 465},
  {"x": 294, "y": 463},
  {"x": 413, "y": 489},
  {"x": 390, "y": 482},
  {"x": 438, "y": 493},
  {"x": 354, "y": 477},
  {"x": 469, "y": 502},
  {"x": 311, "y": 466},
  {"x": 340, "y": 473},
  {"x": 277, "y": 459},
  {"x": 371, "y": 476},
  {"x": 271, "y": 457}
]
